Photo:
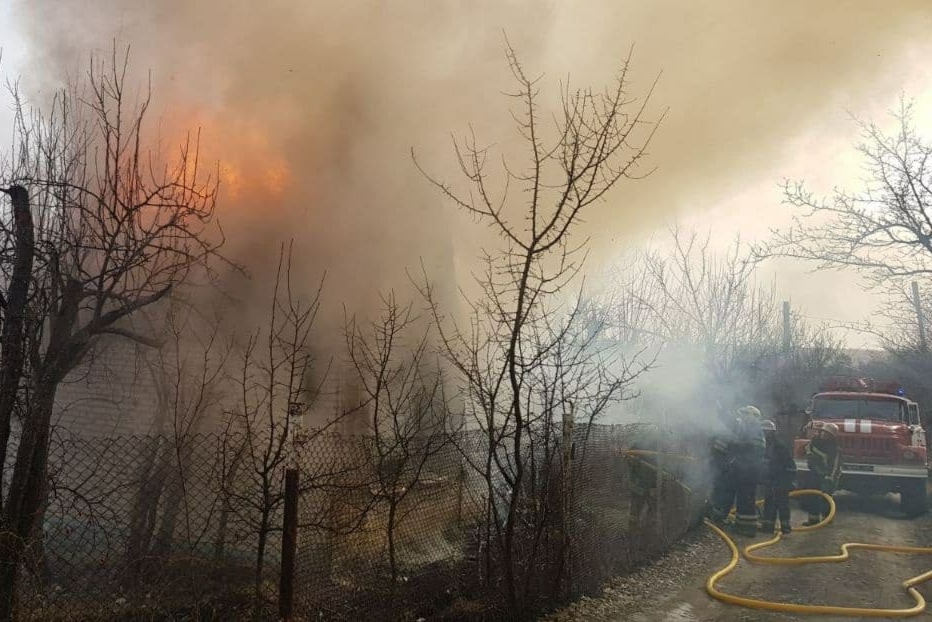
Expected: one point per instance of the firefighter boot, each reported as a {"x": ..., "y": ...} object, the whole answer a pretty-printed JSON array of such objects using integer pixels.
[
  {"x": 767, "y": 527},
  {"x": 718, "y": 516},
  {"x": 746, "y": 526}
]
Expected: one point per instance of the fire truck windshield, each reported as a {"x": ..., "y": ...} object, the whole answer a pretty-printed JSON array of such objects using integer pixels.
[{"x": 882, "y": 410}]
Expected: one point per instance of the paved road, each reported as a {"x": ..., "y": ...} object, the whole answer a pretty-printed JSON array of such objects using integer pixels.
[{"x": 869, "y": 579}]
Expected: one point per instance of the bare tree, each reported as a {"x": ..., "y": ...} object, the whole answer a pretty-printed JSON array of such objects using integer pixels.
[
  {"x": 896, "y": 322},
  {"x": 516, "y": 319},
  {"x": 629, "y": 304},
  {"x": 784, "y": 381},
  {"x": 709, "y": 303},
  {"x": 884, "y": 230},
  {"x": 403, "y": 396},
  {"x": 14, "y": 312},
  {"x": 187, "y": 372},
  {"x": 906, "y": 356},
  {"x": 117, "y": 226},
  {"x": 272, "y": 374},
  {"x": 687, "y": 300}
]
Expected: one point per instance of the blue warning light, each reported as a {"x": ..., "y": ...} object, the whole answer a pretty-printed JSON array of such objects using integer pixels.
[{"x": 901, "y": 391}]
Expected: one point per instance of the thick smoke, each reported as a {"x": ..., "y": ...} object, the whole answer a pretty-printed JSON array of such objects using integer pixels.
[{"x": 311, "y": 107}]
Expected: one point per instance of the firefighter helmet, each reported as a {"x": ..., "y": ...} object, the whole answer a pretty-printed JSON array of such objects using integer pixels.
[
  {"x": 830, "y": 428},
  {"x": 749, "y": 411},
  {"x": 768, "y": 426}
]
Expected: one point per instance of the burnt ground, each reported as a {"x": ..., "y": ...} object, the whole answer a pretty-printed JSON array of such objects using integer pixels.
[{"x": 673, "y": 587}]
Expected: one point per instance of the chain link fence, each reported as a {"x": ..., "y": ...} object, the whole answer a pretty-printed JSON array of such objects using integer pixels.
[
  {"x": 433, "y": 554},
  {"x": 365, "y": 536},
  {"x": 608, "y": 535},
  {"x": 144, "y": 528},
  {"x": 138, "y": 528}
]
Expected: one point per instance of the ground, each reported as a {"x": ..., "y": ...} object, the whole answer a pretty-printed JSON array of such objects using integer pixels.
[{"x": 673, "y": 587}]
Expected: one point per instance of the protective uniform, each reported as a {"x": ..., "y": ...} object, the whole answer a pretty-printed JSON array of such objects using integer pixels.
[
  {"x": 644, "y": 476},
  {"x": 723, "y": 482},
  {"x": 723, "y": 489},
  {"x": 824, "y": 460},
  {"x": 779, "y": 474},
  {"x": 737, "y": 461},
  {"x": 749, "y": 461}
]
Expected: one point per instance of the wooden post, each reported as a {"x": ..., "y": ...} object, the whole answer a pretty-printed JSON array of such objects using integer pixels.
[
  {"x": 289, "y": 546},
  {"x": 920, "y": 321}
]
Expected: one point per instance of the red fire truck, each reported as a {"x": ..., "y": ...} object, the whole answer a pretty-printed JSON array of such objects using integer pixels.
[{"x": 880, "y": 435}]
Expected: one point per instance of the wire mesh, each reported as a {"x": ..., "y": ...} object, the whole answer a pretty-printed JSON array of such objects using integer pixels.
[
  {"x": 137, "y": 526},
  {"x": 142, "y": 527},
  {"x": 438, "y": 554}
]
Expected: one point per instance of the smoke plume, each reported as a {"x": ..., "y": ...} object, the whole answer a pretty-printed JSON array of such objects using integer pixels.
[{"x": 311, "y": 108}]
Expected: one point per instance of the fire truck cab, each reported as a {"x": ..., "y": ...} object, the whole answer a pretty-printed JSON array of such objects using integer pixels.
[{"x": 880, "y": 436}]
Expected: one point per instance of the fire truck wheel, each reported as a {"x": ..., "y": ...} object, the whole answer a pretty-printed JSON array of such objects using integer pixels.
[{"x": 913, "y": 498}]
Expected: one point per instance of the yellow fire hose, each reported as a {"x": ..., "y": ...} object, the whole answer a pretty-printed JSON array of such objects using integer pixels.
[
  {"x": 753, "y": 603},
  {"x": 767, "y": 605}
]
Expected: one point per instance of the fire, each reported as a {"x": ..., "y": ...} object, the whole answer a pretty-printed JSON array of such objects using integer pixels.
[{"x": 250, "y": 164}]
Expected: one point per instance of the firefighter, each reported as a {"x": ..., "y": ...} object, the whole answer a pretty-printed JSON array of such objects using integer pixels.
[
  {"x": 644, "y": 475},
  {"x": 824, "y": 460},
  {"x": 722, "y": 463},
  {"x": 737, "y": 460},
  {"x": 749, "y": 462},
  {"x": 778, "y": 479}
]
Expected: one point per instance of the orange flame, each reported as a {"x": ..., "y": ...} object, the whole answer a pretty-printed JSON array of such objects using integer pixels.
[{"x": 249, "y": 162}]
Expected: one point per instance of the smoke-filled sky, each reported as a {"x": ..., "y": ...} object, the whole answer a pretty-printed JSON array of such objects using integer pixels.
[{"x": 312, "y": 107}]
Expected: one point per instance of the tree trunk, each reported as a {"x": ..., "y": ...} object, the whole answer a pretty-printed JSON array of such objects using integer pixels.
[
  {"x": 11, "y": 338},
  {"x": 37, "y": 560},
  {"x": 10, "y": 554},
  {"x": 489, "y": 517},
  {"x": 260, "y": 563},
  {"x": 142, "y": 520},
  {"x": 24, "y": 500},
  {"x": 508, "y": 546},
  {"x": 220, "y": 542},
  {"x": 176, "y": 491}
]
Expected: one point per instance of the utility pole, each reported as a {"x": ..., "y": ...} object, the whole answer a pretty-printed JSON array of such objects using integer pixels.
[
  {"x": 787, "y": 337},
  {"x": 919, "y": 319}
]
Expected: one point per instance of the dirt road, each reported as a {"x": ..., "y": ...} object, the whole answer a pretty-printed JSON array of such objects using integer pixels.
[{"x": 673, "y": 588}]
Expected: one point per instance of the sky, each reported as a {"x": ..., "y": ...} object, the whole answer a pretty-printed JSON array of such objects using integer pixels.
[{"x": 312, "y": 108}]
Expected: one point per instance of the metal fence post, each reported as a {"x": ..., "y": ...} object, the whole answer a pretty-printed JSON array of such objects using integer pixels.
[{"x": 289, "y": 546}]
